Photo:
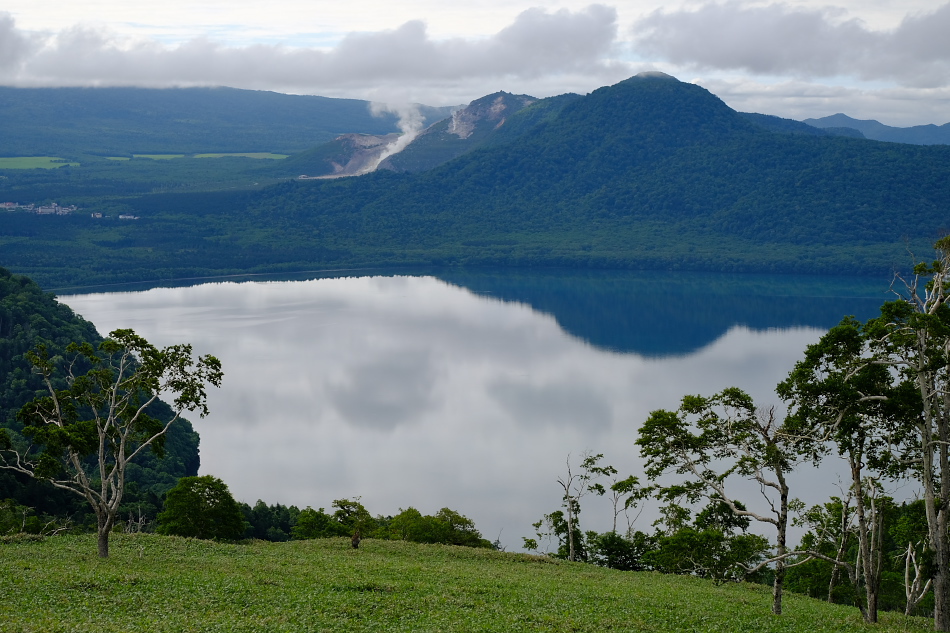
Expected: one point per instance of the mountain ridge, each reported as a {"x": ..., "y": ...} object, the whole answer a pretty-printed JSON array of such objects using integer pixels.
[
  {"x": 875, "y": 130},
  {"x": 651, "y": 173}
]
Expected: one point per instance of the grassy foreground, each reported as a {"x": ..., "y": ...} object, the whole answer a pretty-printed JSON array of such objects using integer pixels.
[{"x": 154, "y": 583}]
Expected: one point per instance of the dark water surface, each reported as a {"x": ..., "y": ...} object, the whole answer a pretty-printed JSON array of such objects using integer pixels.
[{"x": 470, "y": 389}]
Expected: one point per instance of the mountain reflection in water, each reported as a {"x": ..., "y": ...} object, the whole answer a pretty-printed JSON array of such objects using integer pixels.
[{"x": 469, "y": 390}]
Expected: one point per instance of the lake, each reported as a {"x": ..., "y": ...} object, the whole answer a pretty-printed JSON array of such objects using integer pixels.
[{"x": 470, "y": 389}]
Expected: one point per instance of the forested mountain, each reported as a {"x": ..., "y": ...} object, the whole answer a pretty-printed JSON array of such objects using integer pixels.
[
  {"x": 28, "y": 316},
  {"x": 123, "y": 121},
  {"x": 791, "y": 126},
  {"x": 650, "y": 173},
  {"x": 875, "y": 130}
]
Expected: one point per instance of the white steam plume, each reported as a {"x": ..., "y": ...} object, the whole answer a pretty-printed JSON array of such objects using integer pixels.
[{"x": 410, "y": 124}]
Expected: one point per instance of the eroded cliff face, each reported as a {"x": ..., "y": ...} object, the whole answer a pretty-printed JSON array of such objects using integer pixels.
[
  {"x": 346, "y": 155},
  {"x": 490, "y": 110},
  {"x": 465, "y": 130},
  {"x": 359, "y": 153}
]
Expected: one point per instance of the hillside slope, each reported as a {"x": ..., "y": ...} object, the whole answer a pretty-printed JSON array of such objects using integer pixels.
[
  {"x": 651, "y": 173},
  {"x": 123, "y": 121},
  {"x": 159, "y": 584}
]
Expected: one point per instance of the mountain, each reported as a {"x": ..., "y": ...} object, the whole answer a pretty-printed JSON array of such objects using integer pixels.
[
  {"x": 790, "y": 126},
  {"x": 650, "y": 173},
  {"x": 467, "y": 129},
  {"x": 490, "y": 120},
  {"x": 125, "y": 121},
  {"x": 916, "y": 135}
]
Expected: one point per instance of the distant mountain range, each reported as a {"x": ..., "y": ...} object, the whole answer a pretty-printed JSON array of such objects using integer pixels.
[
  {"x": 123, "y": 121},
  {"x": 916, "y": 135}
]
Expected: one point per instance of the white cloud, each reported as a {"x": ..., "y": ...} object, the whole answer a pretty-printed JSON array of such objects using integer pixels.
[
  {"x": 887, "y": 60},
  {"x": 778, "y": 39},
  {"x": 537, "y": 45},
  {"x": 898, "y": 106}
]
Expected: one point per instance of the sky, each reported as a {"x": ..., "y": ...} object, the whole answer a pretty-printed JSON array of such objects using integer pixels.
[{"x": 871, "y": 59}]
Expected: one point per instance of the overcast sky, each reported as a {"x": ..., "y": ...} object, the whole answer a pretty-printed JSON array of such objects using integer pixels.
[{"x": 882, "y": 59}]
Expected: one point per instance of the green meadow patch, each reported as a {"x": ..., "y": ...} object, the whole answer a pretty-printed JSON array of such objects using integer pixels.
[
  {"x": 259, "y": 155},
  {"x": 158, "y": 156},
  {"x": 34, "y": 162},
  {"x": 154, "y": 583}
]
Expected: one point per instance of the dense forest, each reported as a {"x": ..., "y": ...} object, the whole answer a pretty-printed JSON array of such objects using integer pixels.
[
  {"x": 650, "y": 173},
  {"x": 29, "y": 317}
]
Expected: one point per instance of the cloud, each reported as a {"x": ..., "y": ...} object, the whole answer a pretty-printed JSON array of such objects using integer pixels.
[
  {"x": 778, "y": 39},
  {"x": 537, "y": 44},
  {"x": 900, "y": 106}
]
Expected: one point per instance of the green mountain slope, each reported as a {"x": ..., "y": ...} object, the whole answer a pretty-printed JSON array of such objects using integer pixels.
[
  {"x": 650, "y": 173},
  {"x": 123, "y": 121},
  {"x": 28, "y": 316}
]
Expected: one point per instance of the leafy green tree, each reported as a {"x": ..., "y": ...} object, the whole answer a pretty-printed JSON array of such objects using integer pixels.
[
  {"x": 714, "y": 440},
  {"x": 352, "y": 516},
  {"x": 841, "y": 402},
  {"x": 84, "y": 436},
  {"x": 881, "y": 390},
  {"x": 269, "y": 523},
  {"x": 912, "y": 336},
  {"x": 201, "y": 507},
  {"x": 554, "y": 527},
  {"x": 316, "y": 524},
  {"x": 615, "y": 551},
  {"x": 707, "y": 553},
  {"x": 447, "y": 527}
]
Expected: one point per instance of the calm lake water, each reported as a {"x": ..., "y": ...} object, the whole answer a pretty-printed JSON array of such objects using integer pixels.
[{"x": 470, "y": 389}]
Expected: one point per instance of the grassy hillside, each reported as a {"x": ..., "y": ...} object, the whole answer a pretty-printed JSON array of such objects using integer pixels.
[{"x": 154, "y": 584}]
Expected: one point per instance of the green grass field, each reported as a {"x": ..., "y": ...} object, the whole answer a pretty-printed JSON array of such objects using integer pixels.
[
  {"x": 153, "y": 583},
  {"x": 259, "y": 155},
  {"x": 158, "y": 156},
  {"x": 34, "y": 162}
]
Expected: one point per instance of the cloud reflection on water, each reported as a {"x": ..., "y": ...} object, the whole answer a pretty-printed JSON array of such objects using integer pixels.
[{"x": 411, "y": 391}]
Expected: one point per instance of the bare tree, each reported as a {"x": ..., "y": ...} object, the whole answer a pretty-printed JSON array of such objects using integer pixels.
[
  {"x": 81, "y": 438},
  {"x": 576, "y": 485}
]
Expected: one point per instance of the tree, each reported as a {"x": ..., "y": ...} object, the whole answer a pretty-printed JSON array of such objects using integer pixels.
[
  {"x": 201, "y": 507},
  {"x": 912, "y": 336},
  {"x": 81, "y": 438},
  {"x": 576, "y": 485},
  {"x": 315, "y": 524},
  {"x": 838, "y": 398},
  {"x": 885, "y": 384},
  {"x": 713, "y": 439}
]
